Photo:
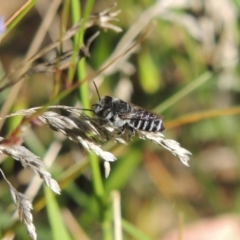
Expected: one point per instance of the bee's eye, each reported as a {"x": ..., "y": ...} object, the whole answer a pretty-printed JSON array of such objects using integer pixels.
[
  {"x": 105, "y": 112},
  {"x": 96, "y": 108}
]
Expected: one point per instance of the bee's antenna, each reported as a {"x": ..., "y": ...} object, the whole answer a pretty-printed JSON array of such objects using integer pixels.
[{"x": 96, "y": 89}]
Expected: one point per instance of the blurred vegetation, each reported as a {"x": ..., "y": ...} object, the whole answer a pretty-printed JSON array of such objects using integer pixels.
[{"x": 191, "y": 80}]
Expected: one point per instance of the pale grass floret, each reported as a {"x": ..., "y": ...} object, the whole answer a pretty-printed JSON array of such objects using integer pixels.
[
  {"x": 24, "y": 207},
  {"x": 105, "y": 17},
  {"x": 171, "y": 145},
  {"x": 107, "y": 168},
  {"x": 107, "y": 156},
  {"x": 30, "y": 160},
  {"x": 24, "y": 211},
  {"x": 79, "y": 130}
]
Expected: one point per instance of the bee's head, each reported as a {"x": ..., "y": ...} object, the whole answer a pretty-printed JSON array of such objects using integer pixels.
[{"x": 103, "y": 108}]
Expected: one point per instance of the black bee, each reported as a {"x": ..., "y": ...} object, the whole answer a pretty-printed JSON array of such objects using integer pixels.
[{"x": 124, "y": 115}]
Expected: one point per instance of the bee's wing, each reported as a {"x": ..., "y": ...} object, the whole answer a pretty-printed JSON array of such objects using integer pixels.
[{"x": 139, "y": 113}]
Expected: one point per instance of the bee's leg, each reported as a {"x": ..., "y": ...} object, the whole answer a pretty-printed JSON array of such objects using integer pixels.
[
  {"x": 132, "y": 130},
  {"x": 128, "y": 131},
  {"x": 122, "y": 130}
]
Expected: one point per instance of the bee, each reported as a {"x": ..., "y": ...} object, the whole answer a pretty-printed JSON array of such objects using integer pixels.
[{"x": 123, "y": 115}]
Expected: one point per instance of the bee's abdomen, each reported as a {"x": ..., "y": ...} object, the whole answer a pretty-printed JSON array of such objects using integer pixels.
[{"x": 147, "y": 122}]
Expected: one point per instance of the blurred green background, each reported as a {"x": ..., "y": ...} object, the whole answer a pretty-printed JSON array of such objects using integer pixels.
[{"x": 186, "y": 69}]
